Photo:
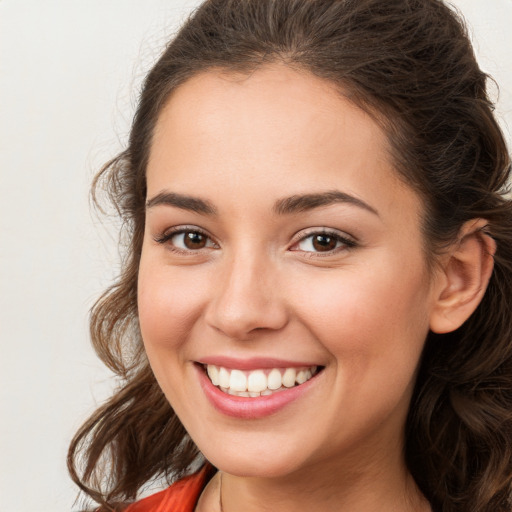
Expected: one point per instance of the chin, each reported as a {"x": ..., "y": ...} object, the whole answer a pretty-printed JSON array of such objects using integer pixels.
[{"x": 257, "y": 462}]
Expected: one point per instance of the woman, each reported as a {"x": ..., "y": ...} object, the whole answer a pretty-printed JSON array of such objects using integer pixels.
[{"x": 317, "y": 292}]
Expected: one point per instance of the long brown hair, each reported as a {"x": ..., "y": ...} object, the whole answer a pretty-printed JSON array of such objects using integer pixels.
[{"x": 410, "y": 64}]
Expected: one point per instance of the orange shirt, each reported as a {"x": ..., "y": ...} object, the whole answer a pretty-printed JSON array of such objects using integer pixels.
[{"x": 181, "y": 496}]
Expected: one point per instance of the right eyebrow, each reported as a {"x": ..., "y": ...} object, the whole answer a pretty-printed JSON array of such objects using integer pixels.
[{"x": 194, "y": 204}]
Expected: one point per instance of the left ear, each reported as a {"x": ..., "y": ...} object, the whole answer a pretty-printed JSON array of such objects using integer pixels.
[{"x": 464, "y": 276}]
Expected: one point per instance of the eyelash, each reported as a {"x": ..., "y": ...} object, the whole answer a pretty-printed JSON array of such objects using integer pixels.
[
  {"x": 166, "y": 236},
  {"x": 346, "y": 242}
]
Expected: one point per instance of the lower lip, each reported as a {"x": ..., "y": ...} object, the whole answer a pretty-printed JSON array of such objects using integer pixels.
[{"x": 251, "y": 408}]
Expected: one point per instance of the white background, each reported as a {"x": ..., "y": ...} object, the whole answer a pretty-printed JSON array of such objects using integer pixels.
[{"x": 69, "y": 75}]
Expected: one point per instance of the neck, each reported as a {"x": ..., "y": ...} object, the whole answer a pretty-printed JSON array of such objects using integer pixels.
[{"x": 260, "y": 495}]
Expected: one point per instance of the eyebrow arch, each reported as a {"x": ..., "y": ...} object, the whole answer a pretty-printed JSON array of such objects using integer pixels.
[
  {"x": 194, "y": 204},
  {"x": 301, "y": 203}
]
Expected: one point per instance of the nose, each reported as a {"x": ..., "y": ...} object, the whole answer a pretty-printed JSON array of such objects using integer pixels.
[{"x": 247, "y": 299}]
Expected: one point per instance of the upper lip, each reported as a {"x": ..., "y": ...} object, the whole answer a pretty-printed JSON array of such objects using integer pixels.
[{"x": 254, "y": 363}]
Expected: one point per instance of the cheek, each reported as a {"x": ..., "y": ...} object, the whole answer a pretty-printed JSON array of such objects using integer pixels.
[
  {"x": 375, "y": 311},
  {"x": 169, "y": 302},
  {"x": 374, "y": 325}
]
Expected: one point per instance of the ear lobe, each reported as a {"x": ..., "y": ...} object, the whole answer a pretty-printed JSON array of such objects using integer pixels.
[{"x": 466, "y": 272}]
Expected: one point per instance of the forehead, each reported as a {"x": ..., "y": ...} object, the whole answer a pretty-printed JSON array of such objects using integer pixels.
[
  {"x": 275, "y": 106},
  {"x": 285, "y": 127}
]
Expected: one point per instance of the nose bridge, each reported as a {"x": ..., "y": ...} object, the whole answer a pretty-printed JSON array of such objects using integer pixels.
[{"x": 247, "y": 297}]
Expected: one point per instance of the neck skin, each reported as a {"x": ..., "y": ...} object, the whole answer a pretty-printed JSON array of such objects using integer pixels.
[{"x": 363, "y": 484}]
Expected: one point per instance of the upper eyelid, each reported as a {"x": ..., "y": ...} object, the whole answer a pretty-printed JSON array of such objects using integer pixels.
[
  {"x": 176, "y": 230},
  {"x": 305, "y": 233},
  {"x": 348, "y": 242},
  {"x": 183, "y": 228}
]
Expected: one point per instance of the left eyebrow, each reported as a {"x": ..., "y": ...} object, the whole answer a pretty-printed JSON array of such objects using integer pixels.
[{"x": 305, "y": 202}]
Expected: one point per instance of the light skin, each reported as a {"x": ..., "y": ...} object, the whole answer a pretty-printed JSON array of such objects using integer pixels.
[{"x": 230, "y": 157}]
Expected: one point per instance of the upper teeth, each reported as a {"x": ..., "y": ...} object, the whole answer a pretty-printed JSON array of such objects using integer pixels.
[{"x": 258, "y": 382}]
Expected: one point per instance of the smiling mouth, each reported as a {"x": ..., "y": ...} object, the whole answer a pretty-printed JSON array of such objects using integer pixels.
[{"x": 261, "y": 382}]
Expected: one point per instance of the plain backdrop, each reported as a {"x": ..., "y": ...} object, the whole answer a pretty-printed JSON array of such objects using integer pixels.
[{"x": 69, "y": 75}]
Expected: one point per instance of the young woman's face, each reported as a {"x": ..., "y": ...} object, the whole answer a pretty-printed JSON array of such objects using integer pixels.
[{"x": 280, "y": 247}]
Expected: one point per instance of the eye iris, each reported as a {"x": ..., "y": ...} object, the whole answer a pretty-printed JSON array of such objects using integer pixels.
[
  {"x": 324, "y": 243},
  {"x": 194, "y": 240}
]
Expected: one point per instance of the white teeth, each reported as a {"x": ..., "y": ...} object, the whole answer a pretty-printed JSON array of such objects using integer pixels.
[
  {"x": 257, "y": 382},
  {"x": 223, "y": 378},
  {"x": 213, "y": 373},
  {"x": 301, "y": 377},
  {"x": 274, "y": 379},
  {"x": 289, "y": 377},
  {"x": 238, "y": 381}
]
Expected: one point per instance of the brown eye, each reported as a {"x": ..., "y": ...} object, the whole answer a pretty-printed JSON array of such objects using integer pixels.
[
  {"x": 323, "y": 243},
  {"x": 187, "y": 240},
  {"x": 194, "y": 240}
]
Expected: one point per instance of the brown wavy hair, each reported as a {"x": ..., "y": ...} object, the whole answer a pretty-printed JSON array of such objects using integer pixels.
[{"x": 410, "y": 64}]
